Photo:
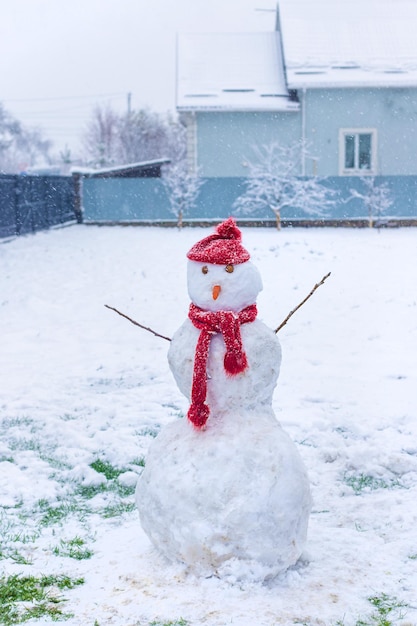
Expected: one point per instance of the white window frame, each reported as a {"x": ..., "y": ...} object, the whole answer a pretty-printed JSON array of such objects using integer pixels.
[{"x": 357, "y": 171}]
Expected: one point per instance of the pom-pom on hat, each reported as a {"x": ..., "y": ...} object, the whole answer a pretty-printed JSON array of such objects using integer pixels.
[{"x": 222, "y": 248}]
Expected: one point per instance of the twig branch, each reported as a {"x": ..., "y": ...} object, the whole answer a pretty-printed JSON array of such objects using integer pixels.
[
  {"x": 291, "y": 313},
  {"x": 137, "y": 323}
]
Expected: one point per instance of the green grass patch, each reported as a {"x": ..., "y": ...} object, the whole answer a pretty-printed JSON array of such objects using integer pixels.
[
  {"x": 124, "y": 491},
  {"x": 103, "y": 467},
  {"x": 388, "y": 612},
  {"x": 365, "y": 482},
  {"x": 46, "y": 454},
  {"x": 114, "y": 510},
  {"x": 140, "y": 462},
  {"x": 11, "y": 422},
  {"x": 57, "y": 513},
  {"x": 112, "y": 485},
  {"x": 147, "y": 432},
  {"x": 28, "y": 597},
  {"x": 7, "y": 459},
  {"x": 14, "y": 555},
  {"x": 21, "y": 443},
  {"x": 177, "y": 622},
  {"x": 12, "y": 543},
  {"x": 74, "y": 549},
  {"x": 90, "y": 491},
  {"x": 68, "y": 417},
  {"x": 55, "y": 463},
  {"x": 78, "y": 505}
]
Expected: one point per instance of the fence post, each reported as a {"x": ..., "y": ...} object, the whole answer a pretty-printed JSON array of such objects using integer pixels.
[
  {"x": 76, "y": 178},
  {"x": 17, "y": 212}
]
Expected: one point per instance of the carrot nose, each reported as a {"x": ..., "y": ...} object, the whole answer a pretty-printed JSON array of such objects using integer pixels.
[{"x": 216, "y": 290}]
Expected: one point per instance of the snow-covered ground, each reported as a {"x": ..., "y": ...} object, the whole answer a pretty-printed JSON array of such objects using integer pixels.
[{"x": 80, "y": 384}]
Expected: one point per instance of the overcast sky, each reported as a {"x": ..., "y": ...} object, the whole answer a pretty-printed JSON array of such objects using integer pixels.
[{"x": 59, "y": 58}]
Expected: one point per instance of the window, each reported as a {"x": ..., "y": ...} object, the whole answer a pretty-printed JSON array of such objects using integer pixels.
[{"x": 357, "y": 149}]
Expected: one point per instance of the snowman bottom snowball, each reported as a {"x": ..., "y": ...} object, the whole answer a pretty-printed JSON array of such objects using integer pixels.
[
  {"x": 227, "y": 502},
  {"x": 224, "y": 491}
]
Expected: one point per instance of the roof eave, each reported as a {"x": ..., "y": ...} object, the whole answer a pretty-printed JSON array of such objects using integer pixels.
[
  {"x": 261, "y": 108},
  {"x": 354, "y": 84}
]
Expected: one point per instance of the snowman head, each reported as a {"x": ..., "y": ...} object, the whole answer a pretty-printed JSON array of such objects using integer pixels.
[{"x": 220, "y": 276}]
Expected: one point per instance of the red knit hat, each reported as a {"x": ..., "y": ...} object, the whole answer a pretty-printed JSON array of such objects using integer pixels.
[{"x": 222, "y": 248}]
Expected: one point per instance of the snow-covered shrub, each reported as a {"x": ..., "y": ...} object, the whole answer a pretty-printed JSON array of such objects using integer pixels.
[
  {"x": 376, "y": 198},
  {"x": 182, "y": 188},
  {"x": 274, "y": 182}
]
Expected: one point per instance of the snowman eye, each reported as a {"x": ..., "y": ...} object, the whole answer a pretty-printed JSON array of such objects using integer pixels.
[
  {"x": 229, "y": 268},
  {"x": 204, "y": 269}
]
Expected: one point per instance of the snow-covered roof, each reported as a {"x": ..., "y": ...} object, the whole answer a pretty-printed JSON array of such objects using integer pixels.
[
  {"x": 231, "y": 71},
  {"x": 129, "y": 170},
  {"x": 341, "y": 43}
]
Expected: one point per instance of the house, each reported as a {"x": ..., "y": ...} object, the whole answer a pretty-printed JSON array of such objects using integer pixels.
[
  {"x": 232, "y": 92},
  {"x": 355, "y": 73},
  {"x": 339, "y": 77}
]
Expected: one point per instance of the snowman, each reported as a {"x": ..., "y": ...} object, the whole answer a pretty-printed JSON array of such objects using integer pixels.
[{"x": 224, "y": 491}]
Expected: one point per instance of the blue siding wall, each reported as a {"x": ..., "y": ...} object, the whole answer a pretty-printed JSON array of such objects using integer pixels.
[
  {"x": 225, "y": 141},
  {"x": 145, "y": 199},
  {"x": 392, "y": 112}
]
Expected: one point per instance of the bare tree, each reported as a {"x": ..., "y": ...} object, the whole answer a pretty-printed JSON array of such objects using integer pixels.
[
  {"x": 376, "y": 197},
  {"x": 176, "y": 139},
  {"x": 143, "y": 135},
  {"x": 9, "y": 130},
  {"x": 33, "y": 146},
  {"x": 100, "y": 137},
  {"x": 274, "y": 182},
  {"x": 20, "y": 146},
  {"x": 182, "y": 187}
]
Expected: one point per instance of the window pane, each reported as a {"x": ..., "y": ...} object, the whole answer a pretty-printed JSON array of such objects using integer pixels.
[
  {"x": 365, "y": 152},
  {"x": 349, "y": 151}
]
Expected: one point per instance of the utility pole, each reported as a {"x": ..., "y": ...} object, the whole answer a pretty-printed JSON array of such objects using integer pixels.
[{"x": 129, "y": 103}]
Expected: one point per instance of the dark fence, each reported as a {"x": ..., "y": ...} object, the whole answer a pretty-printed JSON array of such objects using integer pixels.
[{"x": 32, "y": 203}]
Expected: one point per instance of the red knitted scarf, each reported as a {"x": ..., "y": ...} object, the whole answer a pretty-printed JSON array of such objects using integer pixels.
[{"x": 235, "y": 361}]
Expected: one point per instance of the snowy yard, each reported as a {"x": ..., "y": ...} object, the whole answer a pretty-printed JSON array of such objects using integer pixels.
[{"x": 83, "y": 393}]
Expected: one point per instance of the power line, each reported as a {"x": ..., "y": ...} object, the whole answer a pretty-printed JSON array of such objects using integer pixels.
[{"x": 56, "y": 98}]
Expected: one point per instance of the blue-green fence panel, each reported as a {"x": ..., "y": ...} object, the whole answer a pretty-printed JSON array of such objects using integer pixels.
[
  {"x": 145, "y": 199},
  {"x": 124, "y": 200},
  {"x": 403, "y": 191}
]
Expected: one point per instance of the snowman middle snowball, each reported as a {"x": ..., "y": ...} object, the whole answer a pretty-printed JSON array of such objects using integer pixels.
[{"x": 225, "y": 491}]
